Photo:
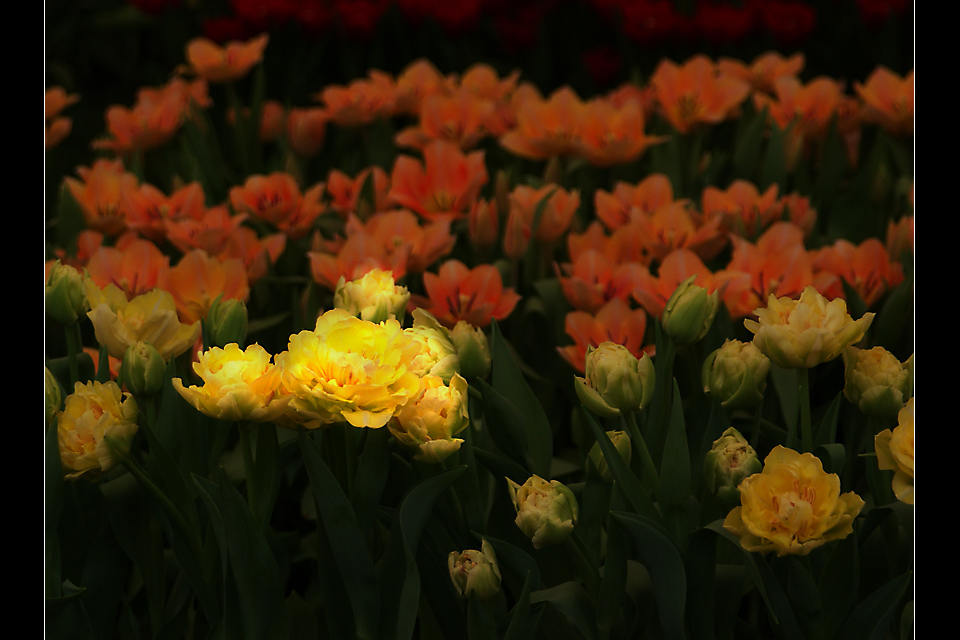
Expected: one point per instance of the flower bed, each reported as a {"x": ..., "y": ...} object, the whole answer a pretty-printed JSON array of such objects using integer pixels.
[{"x": 412, "y": 352}]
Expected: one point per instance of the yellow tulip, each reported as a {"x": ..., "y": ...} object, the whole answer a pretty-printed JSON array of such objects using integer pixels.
[
  {"x": 475, "y": 573},
  {"x": 895, "y": 452},
  {"x": 349, "y": 370},
  {"x": 806, "y": 332},
  {"x": 546, "y": 510},
  {"x": 93, "y": 412},
  {"x": 428, "y": 423},
  {"x": 150, "y": 317},
  {"x": 374, "y": 297},
  {"x": 237, "y": 385},
  {"x": 792, "y": 507}
]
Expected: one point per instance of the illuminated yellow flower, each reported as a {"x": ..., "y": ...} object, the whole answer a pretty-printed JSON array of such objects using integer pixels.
[
  {"x": 428, "y": 423},
  {"x": 793, "y": 506},
  {"x": 895, "y": 452},
  {"x": 375, "y": 296},
  {"x": 150, "y": 317},
  {"x": 237, "y": 385},
  {"x": 350, "y": 370},
  {"x": 93, "y": 412},
  {"x": 438, "y": 354},
  {"x": 803, "y": 333}
]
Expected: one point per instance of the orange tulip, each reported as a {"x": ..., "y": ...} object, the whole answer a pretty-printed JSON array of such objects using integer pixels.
[
  {"x": 98, "y": 192},
  {"x": 57, "y": 127},
  {"x": 623, "y": 245},
  {"x": 696, "y": 93},
  {"x": 256, "y": 254},
  {"x": 360, "y": 102},
  {"x": 147, "y": 210},
  {"x": 135, "y": 265},
  {"x": 743, "y": 209},
  {"x": 276, "y": 199},
  {"x": 228, "y": 63},
  {"x": 678, "y": 226},
  {"x": 797, "y": 210},
  {"x": 556, "y": 214},
  {"x": 461, "y": 118},
  {"x": 614, "y": 322},
  {"x": 476, "y": 295},
  {"x": 593, "y": 280},
  {"x": 419, "y": 80},
  {"x": 888, "y": 100},
  {"x": 483, "y": 80},
  {"x": 610, "y": 134},
  {"x": 353, "y": 258},
  {"x": 345, "y": 192},
  {"x": 652, "y": 292},
  {"x": 618, "y": 208},
  {"x": 199, "y": 279},
  {"x": 765, "y": 70},
  {"x": 484, "y": 225},
  {"x": 306, "y": 130},
  {"x": 900, "y": 237},
  {"x": 424, "y": 244},
  {"x": 444, "y": 187},
  {"x": 865, "y": 267},
  {"x": 778, "y": 264},
  {"x": 210, "y": 233},
  {"x": 544, "y": 128}
]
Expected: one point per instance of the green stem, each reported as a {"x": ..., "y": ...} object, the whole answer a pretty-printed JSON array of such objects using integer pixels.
[
  {"x": 651, "y": 479},
  {"x": 249, "y": 465},
  {"x": 72, "y": 332},
  {"x": 806, "y": 430},
  {"x": 587, "y": 569}
]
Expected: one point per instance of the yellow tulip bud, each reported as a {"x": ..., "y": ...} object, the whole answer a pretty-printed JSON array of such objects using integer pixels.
[
  {"x": 375, "y": 297},
  {"x": 65, "y": 294},
  {"x": 475, "y": 573},
  {"x": 729, "y": 461},
  {"x": 92, "y": 413},
  {"x": 792, "y": 507},
  {"x": 895, "y": 452},
  {"x": 228, "y": 322},
  {"x": 689, "y": 312},
  {"x": 876, "y": 381},
  {"x": 615, "y": 380},
  {"x": 237, "y": 385},
  {"x": 143, "y": 370},
  {"x": 621, "y": 441},
  {"x": 438, "y": 354},
  {"x": 736, "y": 375},
  {"x": 473, "y": 350},
  {"x": 428, "y": 423},
  {"x": 546, "y": 511},
  {"x": 803, "y": 333}
]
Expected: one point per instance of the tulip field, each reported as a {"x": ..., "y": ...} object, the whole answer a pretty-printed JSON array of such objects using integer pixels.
[{"x": 418, "y": 320}]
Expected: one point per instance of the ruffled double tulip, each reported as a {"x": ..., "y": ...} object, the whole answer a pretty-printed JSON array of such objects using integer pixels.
[
  {"x": 792, "y": 507},
  {"x": 151, "y": 317},
  {"x": 349, "y": 370},
  {"x": 806, "y": 332},
  {"x": 475, "y": 573},
  {"x": 736, "y": 375},
  {"x": 895, "y": 452},
  {"x": 93, "y": 413},
  {"x": 428, "y": 423},
  {"x": 546, "y": 510},
  {"x": 236, "y": 385},
  {"x": 729, "y": 461},
  {"x": 438, "y": 354},
  {"x": 615, "y": 381},
  {"x": 876, "y": 381},
  {"x": 375, "y": 297}
]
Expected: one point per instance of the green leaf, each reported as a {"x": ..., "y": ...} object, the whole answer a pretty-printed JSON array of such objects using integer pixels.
[
  {"x": 749, "y": 144},
  {"x": 872, "y": 618},
  {"x": 832, "y": 456},
  {"x": 372, "y": 472},
  {"x": 254, "y": 604},
  {"x": 614, "y": 581},
  {"x": 674, "y": 493},
  {"x": 662, "y": 559},
  {"x": 53, "y": 495},
  {"x": 522, "y": 623},
  {"x": 510, "y": 382},
  {"x": 838, "y": 584},
  {"x": 570, "y": 601},
  {"x": 346, "y": 539},
  {"x": 502, "y": 419},
  {"x": 827, "y": 431},
  {"x": 785, "y": 382},
  {"x": 480, "y": 623}
]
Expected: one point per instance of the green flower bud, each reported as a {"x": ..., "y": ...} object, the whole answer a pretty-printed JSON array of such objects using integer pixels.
[
  {"x": 689, "y": 312},
  {"x": 52, "y": 394},
  {"x": 228, "y": 322},
  {"x": 729, "y": 461},
  {"x": 438, "y": 354},
  {"x": 736, "y": 375},
  {"x": 473, "y": 350},
  {"x": 546, "y": 511},
  {"x": 475, "y": 573},
  {"x": 65, "y": 294},
  {"x": 615, "y": 380},
  {"x": 877, "y": 382},
  {"x": 621, "y": 441},
  {"x": 143, "y": 370}
]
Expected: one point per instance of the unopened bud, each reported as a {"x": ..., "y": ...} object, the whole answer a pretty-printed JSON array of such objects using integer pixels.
[
  {"x": 473, "y": 349},
  {"x": 546, "y": 511},
  {"x": 877, "y": 382},
  {"x": 143, "y": 370},
  {"x": 616, "y": 381},
  {"x": 729, "y": 461},
  {"x": 475, "y": 573},
  {"x": 736, "y": 375},
  {"x": 689, "y": 312},
  {"x": 65, "y": 294},
  {"x": 621, "y": 441},
  {"x": 228, "y": 322}
]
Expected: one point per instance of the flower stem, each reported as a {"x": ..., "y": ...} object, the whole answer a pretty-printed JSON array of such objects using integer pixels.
[
  {"x": 806, "y": 430},
  {"x": 651, "y": 480},
  {"x": 72, "y": 332},
  {"x": 249, "y": 465}
]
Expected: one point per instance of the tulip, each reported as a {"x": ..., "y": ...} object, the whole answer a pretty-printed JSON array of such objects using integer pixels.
[
  {"x": 876, "y": 381},
  {"x": 428, "y": 423},
  {"x": 895, "y": 453},
  {"x": 374, "y": 297},
  {"x": 621, "y": 442},
  {"x": 438, "y": 354},
  {"x": 475, "y": 573},
  {"x": 143, "y": 369},
  {"x": 546, "y": 511},
  {"x": 736, "y": 375},
  {"x": 65, "y": 295},
  {"x": 473, "y": 350},
  {"x": 92, "y": 414},
  {"x": 729, "y": 461},
  {"x": 228, "y": 322},
  {"x": 689, "y": 312},
  {"x": 616, "y": 381}
]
